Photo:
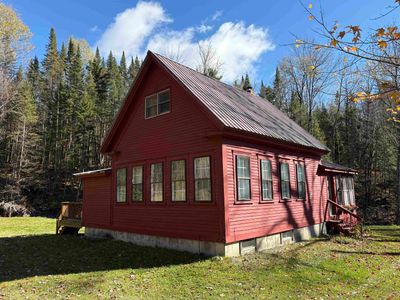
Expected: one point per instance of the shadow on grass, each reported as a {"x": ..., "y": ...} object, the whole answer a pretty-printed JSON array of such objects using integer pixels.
[
  {"x": 367, "y": 253},
  {"x": 37, "y": 255}
]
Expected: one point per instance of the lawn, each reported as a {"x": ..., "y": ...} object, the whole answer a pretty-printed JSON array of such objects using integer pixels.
[{"x": 35, "y": 263}]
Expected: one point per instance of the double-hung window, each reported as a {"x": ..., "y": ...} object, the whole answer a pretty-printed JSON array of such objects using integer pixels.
[
  {"x": 202, "y": 179},
  {"x": 243, "y": 177},
  {"x": 121, "y": 185},
  {"x": 301, "y": 181},
  {"x": 285, "y": 181},
  {"x": 156, "y": 182},
  {"x": 266, "y": 179},
  {"x": 157, "y": 104},
  {"x": 137, "y": 183},
  {"x": 178, "y": 180}
]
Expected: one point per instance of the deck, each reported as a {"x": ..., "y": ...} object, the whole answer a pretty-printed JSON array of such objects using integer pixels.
[{"x": 69, "y": 219}]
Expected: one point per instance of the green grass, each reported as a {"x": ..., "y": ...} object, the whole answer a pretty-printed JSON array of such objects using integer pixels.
[{"x": 35, "y": 264}]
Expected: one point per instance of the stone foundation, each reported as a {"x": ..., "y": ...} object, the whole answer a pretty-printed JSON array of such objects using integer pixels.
[{"x": 212, "y": 248}]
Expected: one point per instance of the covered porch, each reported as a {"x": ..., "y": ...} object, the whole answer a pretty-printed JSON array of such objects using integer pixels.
[{"x": 341, "y": 208}]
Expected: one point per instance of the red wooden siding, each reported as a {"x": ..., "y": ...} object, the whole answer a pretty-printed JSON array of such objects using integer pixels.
[
  {"x": 179, "y": 134},
  {"x": 250, "y": 219},
  {"x": 96, "y": 204}
]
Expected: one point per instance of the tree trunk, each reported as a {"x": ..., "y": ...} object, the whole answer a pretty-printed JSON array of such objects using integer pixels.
[{"x": 398, "y": 178}]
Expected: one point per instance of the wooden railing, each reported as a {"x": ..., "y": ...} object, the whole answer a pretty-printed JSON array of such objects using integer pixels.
[
  {"x": 70, "y": 215},
  {"x": 347, "y": 211}
]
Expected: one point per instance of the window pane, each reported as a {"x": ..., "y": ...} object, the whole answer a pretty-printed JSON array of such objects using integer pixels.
[
  {"x": 266, "y": 170},
  {"x": 137, "y": 183},
  {"x": 178, "y": 180},
  {"x": 266, "y": 179},
  {"x": 203, "y": 190},
  {"x": 121, "y": 185},
  {"x": 338, "y": 190},
  {"x": 284, "y": 171},
  {"x": 156, "y": 180},
  {"x": 178, "y": 170},
  {"x": 151, "y": 106},
  {"x": 202, "y": 175},
  {"x": 156, "y": 192},
  {"x": 285, "y": 190},
  {"x": 243, "y": 167},
  {"x": 285, "y": 180},
  {"x": 243, "y": 189},
  {"x": 179, "y": 191},
  {"x": 163, "y": 102},
  {"x": 202, "y": 167}
]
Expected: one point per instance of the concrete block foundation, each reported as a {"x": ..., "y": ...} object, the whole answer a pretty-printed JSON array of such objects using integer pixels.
[{"x": 212, "y": 248}]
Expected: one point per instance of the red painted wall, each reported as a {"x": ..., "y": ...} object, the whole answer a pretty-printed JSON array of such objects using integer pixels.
[
  {"x": 180, "y": 134},
  {"x": 97, "y": 199},
  {"x": 254, "y": 218}
]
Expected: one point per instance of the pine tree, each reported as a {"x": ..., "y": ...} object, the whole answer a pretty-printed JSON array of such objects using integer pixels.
[
  {"x": 246, "y": 83},
  {"x": 124, "y": 74}
]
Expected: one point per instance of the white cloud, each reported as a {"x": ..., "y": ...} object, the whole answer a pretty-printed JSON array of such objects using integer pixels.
[
  {"x": 94, "y": 28},
  {"x": 216, "y": 15},
  {"x": 203, "y": 28},
  {"x": 238, "y": 46},
  {"x": 130, "y": 28}
]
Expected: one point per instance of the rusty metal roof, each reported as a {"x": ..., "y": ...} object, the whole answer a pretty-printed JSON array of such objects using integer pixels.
[{"x": 241, "y": 110}]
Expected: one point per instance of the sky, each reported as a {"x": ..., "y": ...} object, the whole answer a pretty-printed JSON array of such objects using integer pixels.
[{"x": 248, "y": 36}]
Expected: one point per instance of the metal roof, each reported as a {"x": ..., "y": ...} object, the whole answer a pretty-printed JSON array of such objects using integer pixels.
[
  {"x": 334, "y": 166},
  {"x": 93, "y": 172},
  {"x": 240, "y": 110}
]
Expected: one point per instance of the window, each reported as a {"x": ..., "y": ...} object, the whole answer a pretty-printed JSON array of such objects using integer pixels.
[
  {"x": 156, "y": 182},
  {"x": 266, "y": 179},
  {"x": 137, "y": 183},
  {"x": 157, "y": 104},
  {"x": 202, "y": 179},
  {"x": 285, "y": 180},
  {"x": 301, "y": 181},
  {"x": 178, "y": 180},
  {"x": 338, "y": 190},
  {"x": 121, "y": 185},
  {"x": 345, "y": 190},
  {"x": 243, "y": 177},
  {"x": 351, "y": 191}
]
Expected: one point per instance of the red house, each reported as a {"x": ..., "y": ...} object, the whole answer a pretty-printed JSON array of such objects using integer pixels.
[{"x": 201, "y": 166}]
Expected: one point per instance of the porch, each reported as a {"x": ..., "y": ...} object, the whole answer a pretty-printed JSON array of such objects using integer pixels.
[{"x": 69, "y": 219}]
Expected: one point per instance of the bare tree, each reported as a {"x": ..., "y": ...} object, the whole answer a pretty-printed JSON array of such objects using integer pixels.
[
  {"x": 309, "y": 73},
  {"x": 209, "y": 65}
]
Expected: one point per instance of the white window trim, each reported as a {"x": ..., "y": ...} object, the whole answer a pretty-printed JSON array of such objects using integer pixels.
[{"x": 158, "y": 114}]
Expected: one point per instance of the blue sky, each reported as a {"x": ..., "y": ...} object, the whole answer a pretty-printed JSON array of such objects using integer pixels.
[{"x": 250, "y": 36}]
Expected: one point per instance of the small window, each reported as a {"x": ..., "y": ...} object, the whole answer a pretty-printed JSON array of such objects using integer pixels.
[
  {"x": 285, "y": 181},
  {"x": 243, "y": 177},
  {"x": 178, "y": 180},
  {"x": 156, "y": 182},
  {"x": 137, "y": 183},
  {"x": 163, "y": 102},
  {"x": 202, "y": 179},
  {"x": 157, "y": 104},
  {"x": 121, "y": 185},
  {"x": 266, "y": 179},
  {"x": 301, "y": 181}
]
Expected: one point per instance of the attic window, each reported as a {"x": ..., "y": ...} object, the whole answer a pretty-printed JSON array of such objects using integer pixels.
[{"x": 157, "y": 104}]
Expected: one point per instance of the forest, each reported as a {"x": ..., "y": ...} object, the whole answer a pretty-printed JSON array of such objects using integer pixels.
[{"x": 55, "y": 112}]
